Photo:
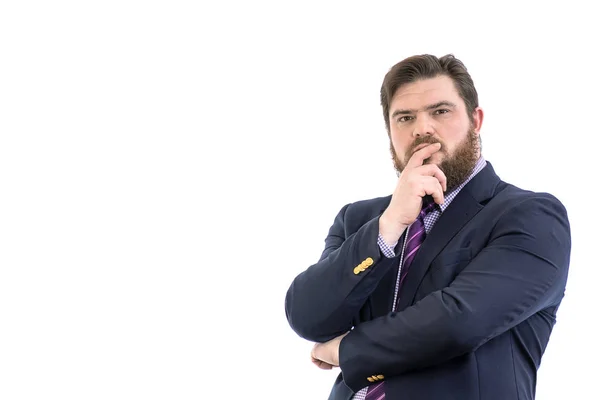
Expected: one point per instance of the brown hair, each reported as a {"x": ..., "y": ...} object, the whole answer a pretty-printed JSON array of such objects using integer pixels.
[{"x": 427, "y": 66}]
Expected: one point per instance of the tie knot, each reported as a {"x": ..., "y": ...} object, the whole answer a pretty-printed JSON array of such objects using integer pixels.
[{"x": 427, "y": 208}]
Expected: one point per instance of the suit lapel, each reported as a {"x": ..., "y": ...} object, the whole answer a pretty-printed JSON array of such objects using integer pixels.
[{"x": 462, "y": 209}]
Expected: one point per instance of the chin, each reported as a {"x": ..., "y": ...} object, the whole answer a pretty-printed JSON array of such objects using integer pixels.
[{"x": 434, "y": 159}]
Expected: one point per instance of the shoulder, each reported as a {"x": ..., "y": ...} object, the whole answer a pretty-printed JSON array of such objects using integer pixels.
[
  {"x": 356, "y": 214},
  {"x": 367, "y": 208},
  {"x": 528, "y": 210},
  {"x": 515, "y": 197}
]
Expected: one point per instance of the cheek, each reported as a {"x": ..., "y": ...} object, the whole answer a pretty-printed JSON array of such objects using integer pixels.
[
  {"x": 453, "y": 144},
  {"x": 399, "y": 144},
  {"x": 454, "y": 133}
]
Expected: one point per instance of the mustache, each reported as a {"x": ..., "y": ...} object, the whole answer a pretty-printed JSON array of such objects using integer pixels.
[{"x": 424, "y": 140}]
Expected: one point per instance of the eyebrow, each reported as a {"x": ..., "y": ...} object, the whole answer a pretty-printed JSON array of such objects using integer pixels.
[{"x": 427, "y": 108}]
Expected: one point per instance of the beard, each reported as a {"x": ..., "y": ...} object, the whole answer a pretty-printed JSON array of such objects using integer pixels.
[{"x": 457, "y": 167}]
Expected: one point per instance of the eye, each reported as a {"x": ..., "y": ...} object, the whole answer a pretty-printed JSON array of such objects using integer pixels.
[
  {"x": 404, "y": 119},
  {"x": 441, "y": 111}
]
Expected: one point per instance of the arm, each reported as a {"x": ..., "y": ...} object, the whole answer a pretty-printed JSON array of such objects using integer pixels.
[
  {"x": 323, "y": 301},
  {"x": 522, "y": 271}
]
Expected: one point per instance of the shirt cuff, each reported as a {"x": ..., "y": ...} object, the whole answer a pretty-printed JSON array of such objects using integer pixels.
[{"x": 386, "y": 249}]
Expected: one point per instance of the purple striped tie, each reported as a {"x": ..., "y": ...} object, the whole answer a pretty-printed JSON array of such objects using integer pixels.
[{"x": 414, "y": 237}]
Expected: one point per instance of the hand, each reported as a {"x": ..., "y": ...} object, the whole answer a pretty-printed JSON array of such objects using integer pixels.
[
  {"x": 327, "y": 355},
  {"x": 416, "y": 181}
]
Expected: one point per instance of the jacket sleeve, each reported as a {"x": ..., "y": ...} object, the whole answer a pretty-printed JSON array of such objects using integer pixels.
[
  {"x": 521, "y": 271},
  {"x": 322, "y": 301}
]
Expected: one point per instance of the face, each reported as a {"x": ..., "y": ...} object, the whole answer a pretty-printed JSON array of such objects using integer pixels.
[{"x": 432, "y": 111}]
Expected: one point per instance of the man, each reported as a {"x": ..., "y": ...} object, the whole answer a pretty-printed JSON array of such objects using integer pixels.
[{"x": 448, "y": 288}]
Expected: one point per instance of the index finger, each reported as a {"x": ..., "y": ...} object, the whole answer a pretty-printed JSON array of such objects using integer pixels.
[{"x": 421, "y": 155}]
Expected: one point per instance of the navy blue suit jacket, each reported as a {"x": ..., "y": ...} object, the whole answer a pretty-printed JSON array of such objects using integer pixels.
[{"x": 475, "y": 311}]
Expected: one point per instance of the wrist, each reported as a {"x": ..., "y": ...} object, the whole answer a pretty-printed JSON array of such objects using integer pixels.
[{"x": 390, "y": 231}]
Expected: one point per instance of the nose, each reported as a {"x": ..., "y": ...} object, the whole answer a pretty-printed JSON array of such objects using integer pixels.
[{"x": 423, "y": 127}]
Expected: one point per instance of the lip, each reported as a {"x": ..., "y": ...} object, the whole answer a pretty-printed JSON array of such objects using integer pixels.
[{"x": 419, "y": 147}]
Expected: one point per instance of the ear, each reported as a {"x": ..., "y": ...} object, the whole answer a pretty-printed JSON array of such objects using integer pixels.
[{"x": 477, "y": 119}]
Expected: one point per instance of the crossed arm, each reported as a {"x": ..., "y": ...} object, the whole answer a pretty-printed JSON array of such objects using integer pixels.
[{"x": 521, "y": 271}]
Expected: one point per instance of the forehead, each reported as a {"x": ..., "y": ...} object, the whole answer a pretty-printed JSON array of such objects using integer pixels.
[{"x": 424, "y": 92}]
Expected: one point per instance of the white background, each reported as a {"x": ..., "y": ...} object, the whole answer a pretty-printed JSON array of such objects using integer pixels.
[{"x": 167, "y": 168}]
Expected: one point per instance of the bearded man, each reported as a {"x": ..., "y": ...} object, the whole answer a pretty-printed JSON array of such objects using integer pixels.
[{"x": 449, "y": 287}]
